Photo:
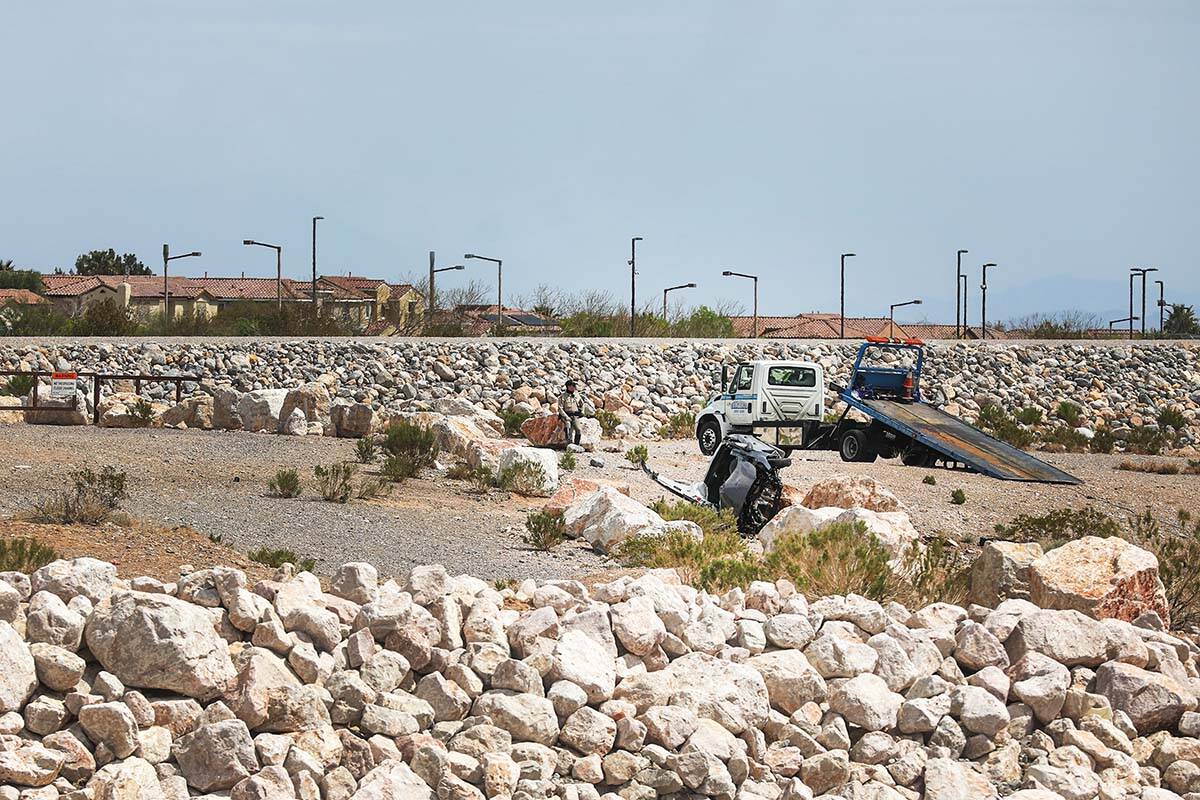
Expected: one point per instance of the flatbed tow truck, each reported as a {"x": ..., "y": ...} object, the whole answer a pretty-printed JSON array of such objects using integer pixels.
[{"x": 790, "y": 395}]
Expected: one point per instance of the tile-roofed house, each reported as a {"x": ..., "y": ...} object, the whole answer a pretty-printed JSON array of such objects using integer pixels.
[
  {"x": 816, "y": 326},
  {"x": 23, "y": 297}
]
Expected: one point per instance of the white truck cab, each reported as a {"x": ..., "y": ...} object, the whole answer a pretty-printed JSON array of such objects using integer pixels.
[{"x": 762, "y": 394}]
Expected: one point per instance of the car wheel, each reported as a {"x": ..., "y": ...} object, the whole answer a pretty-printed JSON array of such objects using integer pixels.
[
  {"x": 709, "y": 436},
  {"x": 854, "y": 447}
]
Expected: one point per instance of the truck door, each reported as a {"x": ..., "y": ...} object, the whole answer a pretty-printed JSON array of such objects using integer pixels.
[
  {"x": 792, "y": 391},
  {"x": 741, "y": 405}
]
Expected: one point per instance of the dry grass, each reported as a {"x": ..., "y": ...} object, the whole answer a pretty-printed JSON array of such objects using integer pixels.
[{"x": 1161, "y": 467}]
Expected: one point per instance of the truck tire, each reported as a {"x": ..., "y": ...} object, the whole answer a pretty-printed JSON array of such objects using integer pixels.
[
  {"x": 708, "y": 435},
  {"x": 856, "y": 447}
]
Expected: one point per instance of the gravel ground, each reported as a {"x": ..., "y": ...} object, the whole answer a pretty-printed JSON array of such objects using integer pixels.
[{"x": 216, "y": 482}]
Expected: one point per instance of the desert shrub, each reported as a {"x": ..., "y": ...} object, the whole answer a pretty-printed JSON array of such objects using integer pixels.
[
  {"x": 1030, "y": 415},
  {"x": 513, "y": 419},
  {"x": 937, "y": 572},
  {"x": 366, "y": 450},
  {"x": 568, "y": 461},
  {"x": 417, "y": 443},
  {"x": 679, "y": 426},
  {"x": 25, "y": 554},
  {"x": 994, "y": 420},
  {"x": 712, "y": 521},
  {"x": 460, "y": 471},
  {"x": 334, "y": 481},
  {"x": 1069, "y": 413},
  {"x": 277, "y": 557},
  {"x": 958, "y": 497},
  {"x": 524, "y": 477},
  {"x": 286, "y": 483},
  {"x": 505, "y": 583},
  {"x": 1058, "y": 526},
  {"x": 1193, "y": 467},
  {"x": 1146, "y": 441},
  {"x": 838, "y": 558},
  {"x": 717, "y": 562},
  {"x": 91, "y": 500},
  {"x": 481, "y": 478},
  {"x": 1178, "y": 553},
  {"x": 545, "y": 530},
  {"x": 1172, "y": 418},
  {"x": 1067, "y": 438},
  {"x": 1154, "y": 467},
  {"x": 637, "y": 455},
  {"x": 142, "y": 412},
  {"x": 608, "y": 421},
  {"x": 399, "y": 468},
  {"x": 929, "y": 480},
  {"x": 1102, "y": 442},
  {"x": 370, "y": 487},
  {"x": 216, "y": 538},
  {"x": 20, "y": 385}
]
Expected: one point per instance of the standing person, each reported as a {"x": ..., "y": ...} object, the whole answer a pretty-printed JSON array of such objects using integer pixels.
[{"x": 570, "y": 409}]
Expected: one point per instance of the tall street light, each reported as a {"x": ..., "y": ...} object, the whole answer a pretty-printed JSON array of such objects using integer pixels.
[
  {"x": 842, "y": 306},
  {"x": 278, "y": 269},
  {"x": 892, "y": 314},
  {"x": 671, "y": 289},
  {"x": 1161, "y": 305},
  {"x": 499, "y": 287},
  {"x": 957, "y": 301},
  {"x": 432, "y": 272},
  {"x": 168, "y": 258},
  {"x": 966, "y": 330},
  {"x": 633, "y": 285},
  {"x": 730, "y": 273},
  {"x": 314, "y": 254},
  {"x": 983, "y": 308},
  {"x": 1143, "y": 272}
]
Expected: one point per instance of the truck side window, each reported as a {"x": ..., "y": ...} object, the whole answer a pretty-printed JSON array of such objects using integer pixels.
[
  {"x": 800, "y": 377},
  {"x": 744, "y": 379}
]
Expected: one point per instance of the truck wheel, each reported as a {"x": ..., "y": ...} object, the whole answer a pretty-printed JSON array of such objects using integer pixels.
[
  {"x": 709, "y": 436},
  {"x": 854, "y": 447}
]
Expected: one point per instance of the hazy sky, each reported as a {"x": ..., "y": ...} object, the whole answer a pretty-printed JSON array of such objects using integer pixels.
[{"x": 1057, "y": 138}]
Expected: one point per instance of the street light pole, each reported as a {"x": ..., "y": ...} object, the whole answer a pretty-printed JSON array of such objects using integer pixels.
[
  {"x": 1132, "y": 273},
  {"x": 1160, "y": 305},
  {"x": 168, "y": 258},
  {"x": 671, "y": 289},
  {"x": 983, "y": 309},
  {"x": 966, "y": 329},
  {"x": 957, "y": 301},
  {"x": 432, "y": 272},
  {"x": 892, "y": 315},
  {"x": 1143, "y": 271},
  {"x": 1112, "y": 322},
  {"x": 499, "y": 288},
  {"x": 633, "y": 285},
  {"x": 842, "y": 305},
  {"x": 278, "y": 269},
  {"x": 730, "y": 273},
  {"x": 314, "y": 264}
]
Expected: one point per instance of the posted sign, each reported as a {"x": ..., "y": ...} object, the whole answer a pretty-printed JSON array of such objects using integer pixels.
[{"x": 62, "y": 384}]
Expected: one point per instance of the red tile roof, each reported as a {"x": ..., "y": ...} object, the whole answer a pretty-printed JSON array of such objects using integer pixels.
[{"x": 21, "y": 296}]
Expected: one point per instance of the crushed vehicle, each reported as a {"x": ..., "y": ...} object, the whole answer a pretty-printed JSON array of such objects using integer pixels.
[{"x": 743, "y": 476}]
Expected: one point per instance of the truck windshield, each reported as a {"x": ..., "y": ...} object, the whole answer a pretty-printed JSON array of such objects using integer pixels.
[{"x": 792, "y": 376}]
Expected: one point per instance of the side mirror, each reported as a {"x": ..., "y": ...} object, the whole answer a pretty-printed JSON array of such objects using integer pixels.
[{"x": 724, "y": 377}]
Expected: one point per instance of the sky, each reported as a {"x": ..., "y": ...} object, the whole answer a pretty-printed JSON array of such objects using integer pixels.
[{"x": 1056, "y": 139}]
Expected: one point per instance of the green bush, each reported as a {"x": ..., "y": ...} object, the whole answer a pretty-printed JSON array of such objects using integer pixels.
[
  {"x": 1178, "y": 553},
  {"x": 286, "y": 483},
  {"x": 545, "y": 530},
  {"x": 20, "y": 385},
  {"x": 567, "y": 461},
  {"x": 1172, "y": 418},
  {"x": 995, "y": 421},
  {"x": 679, "y": 426},
  {"x": 1147, "y": 442},
  {"x": 929, "y": 480},
  {"x": 25, "y": 554},
  {"x": 958, "y": 497},
  {"x": 938, "y": 572},
  {"x": 400, "y": 467},
  {"x": 1069, "y": 413},
  {"x": 637, "y": 455},
  {"x": 417, "y": 443},
  {"x": 366, "y": 450},
  {"x": 608, "y": 422},
  {"x": 513, "y": 419},
  {"x": 481, "y": 478},
  {"x": 1102, "y": 441},
  {"x": 369, "y": 488},
  {"x": 524, "y": 478},
  {"x": 838, "y": 558},
  {"x": 91, "y": 500},
  {"x": 712, "y": 521},
  {"x": 277, "y": 557},
  {"x": 1069, "y": 439},
  {"x": 1030, "y": 415},
  {"x": 334, "y": 482},
  {"x": 1058, "y": 526},
  {"x": 142, "y": 412},
  {"x": 718, "y": 562}
]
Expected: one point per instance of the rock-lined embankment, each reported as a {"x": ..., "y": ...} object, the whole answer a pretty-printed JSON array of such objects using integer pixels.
[{"x": 1117, "y": 385}]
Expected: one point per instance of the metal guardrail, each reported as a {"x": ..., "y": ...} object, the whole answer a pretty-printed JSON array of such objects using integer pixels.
[{"x": 97, "y": 379}]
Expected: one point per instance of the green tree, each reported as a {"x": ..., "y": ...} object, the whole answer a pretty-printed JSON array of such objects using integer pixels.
[
  {"x": 6, "y": 265},
  {"x": 1181, "y": 320},
  {"x": 107, "y": 262},
  {"x": 20, "y": 279}
]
